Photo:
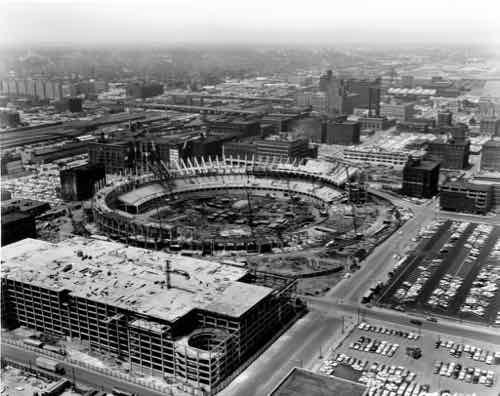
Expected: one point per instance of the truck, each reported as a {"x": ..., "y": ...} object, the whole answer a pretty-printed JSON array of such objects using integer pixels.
[
  {"x": 121, "y": 392},
  {"x": 32, "y": 342},
  {"x": 55, "y": 349},
  {"x": 49, "y": 364}
]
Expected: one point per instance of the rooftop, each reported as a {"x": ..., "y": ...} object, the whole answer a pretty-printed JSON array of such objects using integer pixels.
[
  {"x": 425, "y": 165},
  {"x": 302, "y": 382},
  {"x": 131, "y": 278},
  {"x": 462, "y": 184}
]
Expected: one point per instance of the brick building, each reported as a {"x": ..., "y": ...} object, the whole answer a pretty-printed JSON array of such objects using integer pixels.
[{"x": 421, "y": 178}]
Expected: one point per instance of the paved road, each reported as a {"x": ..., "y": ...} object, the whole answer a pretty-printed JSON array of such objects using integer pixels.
[
  {"x": 467, "y": 330},
  {"x": 82, "y": 375},
  {"x": 380, "y": 261},
  {"x": 323, "y": 326},
  {"x": 300, "y": 346}
]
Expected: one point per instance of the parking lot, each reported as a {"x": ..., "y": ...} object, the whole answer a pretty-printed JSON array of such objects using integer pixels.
[
  {"x": 465, "y": 366},
  {"x": 453, "y": 271}
]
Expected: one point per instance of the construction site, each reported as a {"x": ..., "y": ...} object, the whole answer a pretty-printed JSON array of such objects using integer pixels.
[
  {"x": 189, "y": 319},
  {"x": 253, "y": 211}
]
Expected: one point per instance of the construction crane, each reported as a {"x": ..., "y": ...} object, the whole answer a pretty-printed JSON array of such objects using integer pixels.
[
  {"x": 169, "y": 271},
  {"x": 158, "y": 166},
  {"x": 348, "y": 187},
  {"x": 250, "y": 210}
]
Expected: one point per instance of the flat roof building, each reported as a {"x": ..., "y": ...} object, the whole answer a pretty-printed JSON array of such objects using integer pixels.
[
  {"x": 490, "y": 126},
  {"x": 453, "y": 153},
  {"x": 466, "y": 197},
  {"x": 346, "y": 133},
  {"x": 191, "y": 319},
  {"x": 401, "y": 112},
  {"x": 490, "y": 156},
  {"x": 420, "y": 178},
  {"x": 380, "y": 156},
  {"x": 277, "y": 149}
]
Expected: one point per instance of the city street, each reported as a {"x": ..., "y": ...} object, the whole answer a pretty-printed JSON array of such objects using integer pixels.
[{"x": 81, "y": 375}]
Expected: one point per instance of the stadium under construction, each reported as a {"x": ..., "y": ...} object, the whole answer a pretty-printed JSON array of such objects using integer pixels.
[{"x": 223, "y": 204}]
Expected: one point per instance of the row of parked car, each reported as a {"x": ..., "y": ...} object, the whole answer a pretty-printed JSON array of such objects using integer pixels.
[
  {"x": 390, "y": 380},
  {"x": 470, "y": 375},
  {"x": 366, "y": 344},
  {"x": 469, "y": 351},
  {"x": 381, "y": 379},
  {"x": 485, "y": 287},
  {"x": 411, "y": 288},
  {"x": 386, "y": 330}
]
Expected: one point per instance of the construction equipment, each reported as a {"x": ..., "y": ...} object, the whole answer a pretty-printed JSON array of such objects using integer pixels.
[
  {"x": 158, "y": 166},
  {"x": 348, "y": 188},
  {"x": 169, "y": 271}
]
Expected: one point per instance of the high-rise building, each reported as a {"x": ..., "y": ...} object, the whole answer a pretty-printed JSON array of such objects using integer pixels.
[
  {"x": 490, "y": 156},
  {"x": 367, "y": 95},
  {"x": 453, "y": 153},
  {"x": 335, "y": 91},
  {"x": 420, "y": 178},
  {"x": 40, "y": 89}
]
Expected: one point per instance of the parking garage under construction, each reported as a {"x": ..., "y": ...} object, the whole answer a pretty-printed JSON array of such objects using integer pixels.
[{"x": 191, "y": 319}]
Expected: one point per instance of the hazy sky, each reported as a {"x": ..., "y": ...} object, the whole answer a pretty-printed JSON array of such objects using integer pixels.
[{"x": 249, "y": 21}]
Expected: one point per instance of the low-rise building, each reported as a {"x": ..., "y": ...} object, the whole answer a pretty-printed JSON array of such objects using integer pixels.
[
  {"x": 401, "y": 112},
  {"x": 272, "y": 148},
  {"x": 380, "y": 156},
  {"x": 466, "y": 197},
  {"x": 376, "y": 123}
]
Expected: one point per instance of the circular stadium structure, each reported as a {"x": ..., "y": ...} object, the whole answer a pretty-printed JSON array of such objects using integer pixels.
[{"x": 224, "y": 204}]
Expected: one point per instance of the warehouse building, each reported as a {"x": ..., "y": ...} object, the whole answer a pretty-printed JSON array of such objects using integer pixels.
[
  {"x": 190, "y": 319},
  {"x": 420, "y": 178},
  {"x": 466, "y": 197}
]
